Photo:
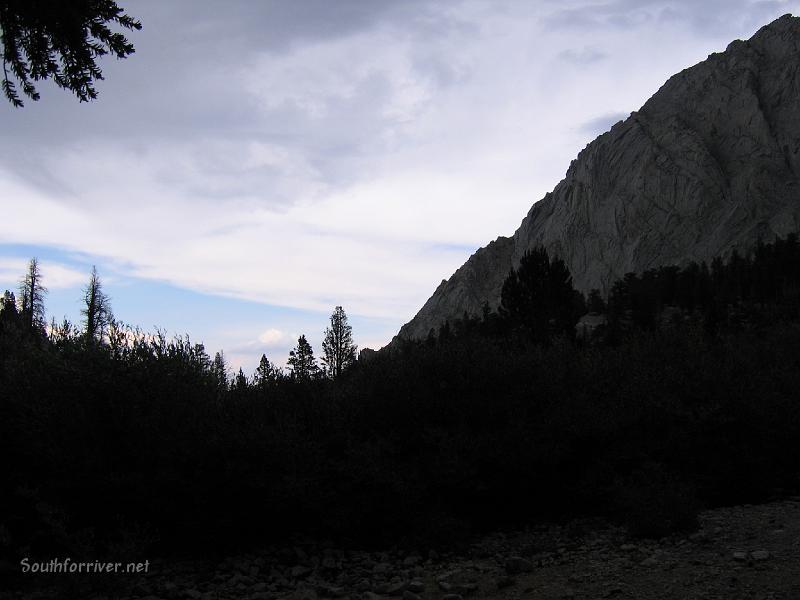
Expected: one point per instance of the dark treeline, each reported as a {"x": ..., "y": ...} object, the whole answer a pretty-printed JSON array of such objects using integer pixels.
[{"x": 686, "y": 395}]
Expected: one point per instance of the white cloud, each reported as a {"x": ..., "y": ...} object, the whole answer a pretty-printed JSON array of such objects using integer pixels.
[
  {"x": 273, "y": 337},
  {"x": 357, "y": 169},
  {"x": 54, "y": 275}
]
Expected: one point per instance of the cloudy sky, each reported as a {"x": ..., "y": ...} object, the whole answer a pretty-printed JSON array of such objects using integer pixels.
[{"x": 256, "y": 163}]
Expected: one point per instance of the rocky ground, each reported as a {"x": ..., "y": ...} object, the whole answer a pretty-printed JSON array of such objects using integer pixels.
[{"x": 738, "y": 552}]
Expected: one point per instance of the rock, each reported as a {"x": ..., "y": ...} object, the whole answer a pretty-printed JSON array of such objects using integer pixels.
[
  {"x": 628, "y": 547},
  {"x": 740, "y": 556},
  {"x": 397, "y": 588},
  {"x": 409, "y": 595},
  {"x": 465, "y": 589},
  {"x": 331, "y": 591},
  {"x": 299, "y": 571},
  {"x": 412, "y": 561},
  {"x": 760, "y": 555},
  {"x": 504, "y": 582},
  {"x": 700, "y": 169},
  {"x": 516, "y": 564},
  {"x": 699, "y": 538},
  {"x": 416, "y": 586},
  {"x": 650, "y": 561}
]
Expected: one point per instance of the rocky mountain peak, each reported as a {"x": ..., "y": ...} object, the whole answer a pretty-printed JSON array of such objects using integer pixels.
[{"x": 710, "y": 163}]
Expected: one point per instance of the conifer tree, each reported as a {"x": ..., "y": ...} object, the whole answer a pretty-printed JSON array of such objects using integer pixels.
[
  {"x": 266, "y": 373},
  {"x": 240, "y": 382},
  {"x": 539, "y": 297},
  {"x": 219, "y": 370},
  {"x": 59, "y": 40},
  {"x": 302, "y": 364},
  {"x": 338, "y": 346},
  {"x": 97, "y": 308},
  {"x": 32, "y": 294}
]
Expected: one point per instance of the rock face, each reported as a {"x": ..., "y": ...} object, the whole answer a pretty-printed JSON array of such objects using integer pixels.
[{"x": 710, "y": 163}]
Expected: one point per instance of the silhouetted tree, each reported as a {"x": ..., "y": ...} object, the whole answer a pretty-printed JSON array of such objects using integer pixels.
[
  {"x": 9, "y": 315},
  {"x": 338, "y": 346},
  {"x": 32, "y": 294},
  {"x": 539, "y": 296},
  {"x": 302, "y": 364},
  {"x": 266, "y": 374},
  {"x": 240, "y": 382},
  {"x": 595, "y": 302},
  {"x": 219, "y": 370},
  {"x": 97, "y": 308},
  {"x": 43, "y": 39}
]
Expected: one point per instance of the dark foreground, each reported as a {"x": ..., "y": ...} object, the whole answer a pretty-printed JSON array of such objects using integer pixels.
[{"x": 738, "y": 552}]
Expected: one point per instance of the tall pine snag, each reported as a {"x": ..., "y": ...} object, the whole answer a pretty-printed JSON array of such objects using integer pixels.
[
  {"x": 302, "y": 364},
  {"x": 43, "y": 39},
  {"x": 97, "y": 308},
  {"x": 32, "y": 294},
  {"x": 338, "y": 346}
]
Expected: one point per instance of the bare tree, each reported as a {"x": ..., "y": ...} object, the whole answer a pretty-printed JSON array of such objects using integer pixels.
[
  {"x": 338, "y": 346},
  {"x": 97, "y": 308},
  {"x": 32, "y": 294}
]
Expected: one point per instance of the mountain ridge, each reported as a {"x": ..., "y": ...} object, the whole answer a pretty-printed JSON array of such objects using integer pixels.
[{"x": 711, "y": 162}]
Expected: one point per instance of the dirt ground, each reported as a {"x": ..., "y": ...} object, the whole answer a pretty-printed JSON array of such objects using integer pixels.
[{"x": 750, "y": 552}]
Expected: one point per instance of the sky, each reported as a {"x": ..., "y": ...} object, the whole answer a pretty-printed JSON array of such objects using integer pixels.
[{"x": 256, "y": 163}]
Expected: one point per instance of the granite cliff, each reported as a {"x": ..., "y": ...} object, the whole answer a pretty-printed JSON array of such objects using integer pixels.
[{"x": 710, "y": 163}]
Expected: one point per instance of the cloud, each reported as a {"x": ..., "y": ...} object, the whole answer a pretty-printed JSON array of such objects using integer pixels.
[
  {"x": 54, "y": 275},
  {"x": 273, "y": 337},
  {"x": 584, "y": 56},
  {"x": 309, "y": 154},
  {"x": 601, "y": 124},
  {"x": 710, "y": 18}
]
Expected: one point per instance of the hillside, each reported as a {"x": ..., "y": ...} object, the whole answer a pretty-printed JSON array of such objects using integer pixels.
[{"x": 710, "y": 163}]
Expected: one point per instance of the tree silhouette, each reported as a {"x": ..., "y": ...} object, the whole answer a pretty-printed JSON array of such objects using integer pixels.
[
  {"x": 42, "y": 39},
  {"x": 9, "y": 316},
  {"x": 595, "y": 302},
  {"x": 219, "y": 371},
  {"x": 338, "y": 346},
  {"x": 302, "y": 364},
  {"x": 539, "y": 296},
  {"x": 97, "y": 308},
  {"x": 240, "y": 383},
  {"x": 32, "y": 294},
  {"x": 266, "y": 373}
]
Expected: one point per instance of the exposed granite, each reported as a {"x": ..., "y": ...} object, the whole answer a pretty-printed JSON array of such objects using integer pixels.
[{"x": 711, "y": 162}]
